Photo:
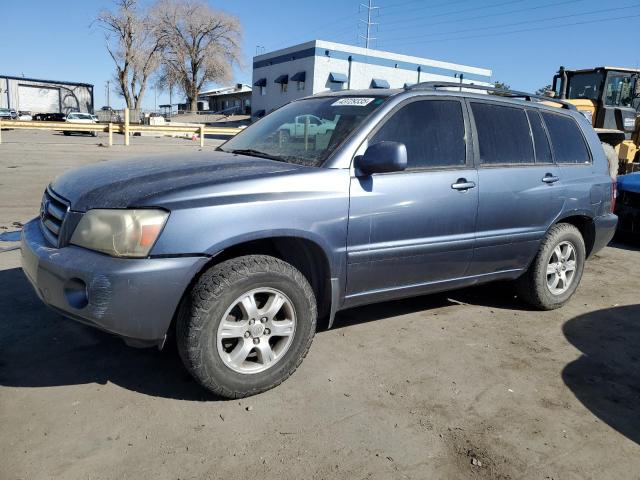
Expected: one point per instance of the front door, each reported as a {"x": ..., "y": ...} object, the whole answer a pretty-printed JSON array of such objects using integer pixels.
[{"x": 414, "y": 229}]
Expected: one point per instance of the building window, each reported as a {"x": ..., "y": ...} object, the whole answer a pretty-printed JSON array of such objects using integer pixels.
[
  {"x": 300, "y": 85},
  {"x": 263, "y": 91},
  {"x": 283, "y": 87}
]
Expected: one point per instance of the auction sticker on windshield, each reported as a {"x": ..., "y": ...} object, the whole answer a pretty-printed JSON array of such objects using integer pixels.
[{"x": 353, "y": 101}]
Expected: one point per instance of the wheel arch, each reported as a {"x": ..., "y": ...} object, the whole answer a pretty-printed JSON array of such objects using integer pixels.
[
  {"x": 583, "y": 221},
  {"x": 309, "y": 256}
]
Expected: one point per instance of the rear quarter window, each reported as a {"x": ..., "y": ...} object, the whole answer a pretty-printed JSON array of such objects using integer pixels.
[
  {"x": 566, "y": 139},
  {"x": 504, "y": 136}
]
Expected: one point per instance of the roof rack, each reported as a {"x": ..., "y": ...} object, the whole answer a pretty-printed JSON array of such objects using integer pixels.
[{"x": 530, "y": 97}]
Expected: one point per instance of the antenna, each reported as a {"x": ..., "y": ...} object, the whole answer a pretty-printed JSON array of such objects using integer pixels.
[{"x": 370, "y": 8}]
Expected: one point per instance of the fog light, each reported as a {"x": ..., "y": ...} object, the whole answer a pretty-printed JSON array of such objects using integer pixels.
[{"x": 75, "y": 291}]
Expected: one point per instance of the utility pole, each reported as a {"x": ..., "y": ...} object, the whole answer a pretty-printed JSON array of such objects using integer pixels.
[
  {"x": 370, "y": 8},
  {"x": 108, "y": 90}
]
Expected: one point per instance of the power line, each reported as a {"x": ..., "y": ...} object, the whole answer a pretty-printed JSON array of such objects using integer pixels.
[
  {"x": 400, "y": 5},
  {"x": 464, "y": 10},
  {"x": 522, "y": 30},
  {"x": 489, "y": 15},
  {"x": 524, "y": 22}
]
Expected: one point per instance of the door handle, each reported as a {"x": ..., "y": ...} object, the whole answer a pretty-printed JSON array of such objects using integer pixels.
[
  {"x": 463, "y": 185},
  {"x": 548, "y": 178}
]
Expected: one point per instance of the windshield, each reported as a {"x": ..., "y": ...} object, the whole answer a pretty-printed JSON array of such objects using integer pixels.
[
  {"x": 584, "y": 85},
  {"x": 619, "y": 90},
  {"x": 305, "y": 132}
]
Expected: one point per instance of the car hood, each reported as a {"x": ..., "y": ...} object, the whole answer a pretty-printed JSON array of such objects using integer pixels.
[
  {"x": 629, "y": 182},
  {"x": 135, "y": 182}
]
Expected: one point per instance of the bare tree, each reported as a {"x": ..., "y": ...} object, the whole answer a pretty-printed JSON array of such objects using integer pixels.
[
  {"x": 199, "y": 44},
  {"x": 134, "y": 47}
]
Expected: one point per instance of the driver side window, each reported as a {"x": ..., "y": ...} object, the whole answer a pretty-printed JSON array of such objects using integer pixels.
[{"x": 433, "y": 132}]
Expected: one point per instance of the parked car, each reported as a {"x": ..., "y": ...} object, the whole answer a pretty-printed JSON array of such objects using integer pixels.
[
  {"x": 50, "y": 117},
  {"x": 310, "y": 123},
  {"x": 24, "y": 115},
  {"x": 77, "y": 117},
  {"x": 240, "y": 251},
  {"x": 628, "y": 204},
  {"x": 5, "y": 114}
]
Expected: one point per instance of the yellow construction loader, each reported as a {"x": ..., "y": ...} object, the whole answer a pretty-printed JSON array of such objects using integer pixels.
[{"x": 610, "y": 98}]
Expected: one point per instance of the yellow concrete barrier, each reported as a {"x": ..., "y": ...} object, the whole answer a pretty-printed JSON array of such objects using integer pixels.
[{"x": 125, "y": 128}]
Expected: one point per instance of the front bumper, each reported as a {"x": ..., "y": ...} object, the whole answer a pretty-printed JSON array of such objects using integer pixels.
[
  {"x": 605, "y": 229},
  {"x": 132, "y": 298}
]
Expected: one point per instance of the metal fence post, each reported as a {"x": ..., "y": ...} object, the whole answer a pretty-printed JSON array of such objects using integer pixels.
[
  {"x": 126, "y": 127},
  {"x": 201, "y": 136}
]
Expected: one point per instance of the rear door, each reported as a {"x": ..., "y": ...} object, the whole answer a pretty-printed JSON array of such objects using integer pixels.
[
  {"x": 520, "y": 187},
  {"x": 412, "y": 229}
]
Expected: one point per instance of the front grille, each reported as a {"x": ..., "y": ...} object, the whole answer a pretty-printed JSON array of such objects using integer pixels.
[
  {"x": 631, "y": 199},
  {"x": 53, "y": 211}
]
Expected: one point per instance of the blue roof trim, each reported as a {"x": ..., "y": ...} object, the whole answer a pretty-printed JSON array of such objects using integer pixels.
[
  {"x": 379, "y": 83},
  {"x": 338, "y": 77},
  {"x": 384, "y": 62}
]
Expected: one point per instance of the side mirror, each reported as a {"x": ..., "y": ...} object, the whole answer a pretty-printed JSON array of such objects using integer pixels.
[{"x": 382, "y": 157}]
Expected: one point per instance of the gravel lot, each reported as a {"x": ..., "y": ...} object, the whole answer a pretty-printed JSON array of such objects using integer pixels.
[{"x": 467, "y": 384}]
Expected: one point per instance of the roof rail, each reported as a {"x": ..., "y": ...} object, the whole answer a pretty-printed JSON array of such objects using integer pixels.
[{"x": 530, "y": 97}]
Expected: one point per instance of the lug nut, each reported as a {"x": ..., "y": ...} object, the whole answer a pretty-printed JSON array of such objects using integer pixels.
[
  {"x": 246, "y": 334},
  {"x": 256, "y": 341},
  {"x": 263, "y": 319},
  {"x": 267, "y": 331},
  {"x": 252, "y": 321}
]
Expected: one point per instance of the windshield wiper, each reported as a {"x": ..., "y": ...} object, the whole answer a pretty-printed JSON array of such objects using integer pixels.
[{"x": 255, "y": 153}]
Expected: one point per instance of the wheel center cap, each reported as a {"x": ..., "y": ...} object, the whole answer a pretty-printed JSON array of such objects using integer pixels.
[{"x": 256, "y": 330}]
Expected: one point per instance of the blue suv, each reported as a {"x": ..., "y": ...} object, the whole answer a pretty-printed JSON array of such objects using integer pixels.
[{"x": 407, "y": 192}]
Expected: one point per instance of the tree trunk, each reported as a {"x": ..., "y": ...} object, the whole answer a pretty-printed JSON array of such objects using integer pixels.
[{"x": 194, "y": 104}]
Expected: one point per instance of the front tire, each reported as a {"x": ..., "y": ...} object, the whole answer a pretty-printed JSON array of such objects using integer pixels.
[
  {"x": 555, "y": 273},
  {"x": 246, "y": 325}
]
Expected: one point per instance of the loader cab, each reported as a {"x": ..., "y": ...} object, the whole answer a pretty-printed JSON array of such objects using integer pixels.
[{"x": 609, "y": 97}]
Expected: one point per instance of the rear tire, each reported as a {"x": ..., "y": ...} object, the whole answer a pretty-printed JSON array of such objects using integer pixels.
[
  {"x": 231, "y": 334},
  {"x": 555, "y": 273}
]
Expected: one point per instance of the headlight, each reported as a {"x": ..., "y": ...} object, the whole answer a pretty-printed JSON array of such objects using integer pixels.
[{"x": 121, "y": 233}]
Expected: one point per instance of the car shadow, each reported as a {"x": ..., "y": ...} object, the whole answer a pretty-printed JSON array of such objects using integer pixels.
[
  {"x": 606, "y": 377},
  {"x": 625, "y": 242},
  {"x": 41, "y": 348}
]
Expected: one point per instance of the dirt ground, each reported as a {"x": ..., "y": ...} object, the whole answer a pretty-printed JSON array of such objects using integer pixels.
[{"x": 468, "y": 384}]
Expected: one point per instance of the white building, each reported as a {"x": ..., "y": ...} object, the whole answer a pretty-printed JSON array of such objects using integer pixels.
[{"x": 318, "y": 66}]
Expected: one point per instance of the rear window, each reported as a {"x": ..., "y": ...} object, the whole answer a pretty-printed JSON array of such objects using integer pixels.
[
  {"x": 540, "y": 140},
  {"x": 566, "y": 139},
  {"x": 503, "y": 134}
]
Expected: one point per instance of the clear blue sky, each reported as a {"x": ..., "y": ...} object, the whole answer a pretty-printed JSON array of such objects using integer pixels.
[{"x": 55, "y": 39}]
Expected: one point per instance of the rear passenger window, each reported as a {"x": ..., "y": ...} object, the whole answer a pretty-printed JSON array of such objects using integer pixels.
[
  {"x": 566, "y": 139},
  {"x": 540, "y": 140},
  {"x": 432, "y": 130},
  {"x": 503, "y": 134}
]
